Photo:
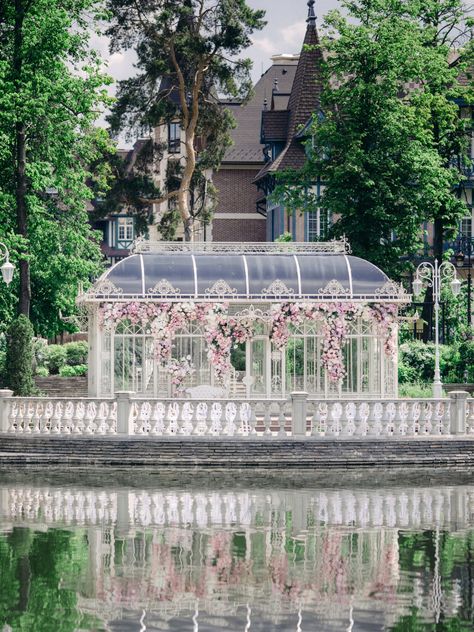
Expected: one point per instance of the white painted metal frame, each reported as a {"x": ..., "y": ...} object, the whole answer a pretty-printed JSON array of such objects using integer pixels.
[{"x": 370, "y": 373}]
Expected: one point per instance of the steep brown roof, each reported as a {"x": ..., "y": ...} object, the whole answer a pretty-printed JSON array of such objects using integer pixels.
[
  {"x": 275, "y": 125},
  {"x": 304, "y": 101},
  {"x": 246, "y": 136}
]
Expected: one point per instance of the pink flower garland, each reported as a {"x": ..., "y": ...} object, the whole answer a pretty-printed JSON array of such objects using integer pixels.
[{"x": 223, "y": 332}]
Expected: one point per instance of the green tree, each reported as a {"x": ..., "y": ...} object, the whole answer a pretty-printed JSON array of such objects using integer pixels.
[
  {"x": 19, "y": 358},
  {"x": 51, "y": 92},
  {"x": 188, "y": 57},
  {"x": 374, "y": 143},
  {"x": 446, "y": 58}
]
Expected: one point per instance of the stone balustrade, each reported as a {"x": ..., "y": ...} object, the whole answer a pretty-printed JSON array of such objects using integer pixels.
[{"x": 299, "y": 416}]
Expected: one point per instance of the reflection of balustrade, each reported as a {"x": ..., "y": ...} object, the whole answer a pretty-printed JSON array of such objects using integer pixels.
[
  {"x": 391, "y": 508},
  {"x": 298, "y": 416}
]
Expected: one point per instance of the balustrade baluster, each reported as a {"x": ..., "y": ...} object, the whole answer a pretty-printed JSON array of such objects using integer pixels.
[
  {"x": 37, "y": 413},
  {"x": 282, "y": 420},
  {"x": 253, "y": 420},
  {"x": 359, "y": 424},
  {"x": 267, "y": 420},
  {"x": 196, "y": 417},
  {"x": 413, "y": 413},
  {"x": 446, "y": 418},
  {"x": 111, "y": 428},
  {"x": 208, "y": 421},
  {"x": 344, "y": 421},
  {"x": 76, "y": 419},
  {"x": 22, "y": 418},
  {"x": 315, "y": 419},
  {"x": 331, "y": 419},
  {"x": 90, "y": 424},
  {"x": 156, "y": 427},
  {"x": 425, "y": 418},
  {"x": 12, "y": 419},
  {"x": 469, "y": 415},
  {"x": 56, "y": 418},
  {"x": 372, "y": 421},
  {"x": 436, "y": 418},
  {"x": 398, "y": 423}
]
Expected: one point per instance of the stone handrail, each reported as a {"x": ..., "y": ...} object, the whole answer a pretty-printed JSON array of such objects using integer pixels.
[{"x": 298, "y": 416}]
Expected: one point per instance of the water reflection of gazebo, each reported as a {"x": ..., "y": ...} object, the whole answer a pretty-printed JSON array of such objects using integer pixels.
[{"x": 256, "y": 320}]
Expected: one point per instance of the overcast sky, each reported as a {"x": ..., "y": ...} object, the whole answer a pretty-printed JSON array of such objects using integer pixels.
[{"x": 286, "y": 24}]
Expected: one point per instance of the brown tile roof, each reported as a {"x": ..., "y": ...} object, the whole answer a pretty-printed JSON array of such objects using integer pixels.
[
  {"x": 246, "y": 136},
  {"x": 304, "y": 101},
  {"x": 275, "y": 125}
]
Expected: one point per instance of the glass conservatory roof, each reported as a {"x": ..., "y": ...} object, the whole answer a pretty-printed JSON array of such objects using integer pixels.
[{"x": 266, "y": 276}]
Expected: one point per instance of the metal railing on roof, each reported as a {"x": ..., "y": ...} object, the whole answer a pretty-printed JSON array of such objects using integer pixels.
[{"x": 141, "y": 246}]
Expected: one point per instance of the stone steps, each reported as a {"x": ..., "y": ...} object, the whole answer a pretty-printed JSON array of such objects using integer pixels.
[
  {"x": 57, "y": 386},
  {"x": 273, "y": 453}
]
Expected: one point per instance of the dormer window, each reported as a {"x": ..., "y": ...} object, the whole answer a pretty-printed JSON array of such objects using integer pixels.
[{"x": 174, "y": 138}]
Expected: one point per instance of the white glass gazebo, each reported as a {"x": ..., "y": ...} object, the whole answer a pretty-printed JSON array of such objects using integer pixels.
[{"x": 243, "y": 320}]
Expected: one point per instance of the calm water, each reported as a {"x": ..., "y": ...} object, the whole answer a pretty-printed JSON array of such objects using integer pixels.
[{"x": 262, "y": 555}]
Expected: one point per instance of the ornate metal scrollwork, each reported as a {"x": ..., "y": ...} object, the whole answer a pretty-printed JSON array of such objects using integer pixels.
[
  {"x": 105, "y": 288},
  {"x": 164, "y": 288},
  {"x": 221, "y": 288},
  {"x": 277, "y": 288},
  {"x": 334, "y": 288},
  {"x": 390, "y": 288}
]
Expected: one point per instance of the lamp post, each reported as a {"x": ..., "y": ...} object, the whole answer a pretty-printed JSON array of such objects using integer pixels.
[
  {"x": 434, "y": 275},
  {"x": 465, "y": 248},
  {"x": 7, "y": 268}
]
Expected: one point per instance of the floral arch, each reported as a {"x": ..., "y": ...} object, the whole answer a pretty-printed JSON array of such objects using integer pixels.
[{"x": 258, "y": 320}]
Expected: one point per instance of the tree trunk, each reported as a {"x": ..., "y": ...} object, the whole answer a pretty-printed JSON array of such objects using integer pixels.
[
  {"x": 438, "y": 239},
  {"x": 20, "y": 166}
]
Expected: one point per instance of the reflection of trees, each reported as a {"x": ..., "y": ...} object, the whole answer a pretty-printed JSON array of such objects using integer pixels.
[
  {"x": 32, "y": 567},
  {"x": 443, "y": 560}
]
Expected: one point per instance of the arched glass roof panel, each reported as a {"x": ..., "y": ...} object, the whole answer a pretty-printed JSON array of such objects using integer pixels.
[
  {"x": 176, "y": 269},
  {"x": 366, "y": 278},
  {"x": 212, "y": 269},
  {"x": 266, "y": 270},
  {"x": 263, "y": 276},
  {"x": 318, "y": 271}
]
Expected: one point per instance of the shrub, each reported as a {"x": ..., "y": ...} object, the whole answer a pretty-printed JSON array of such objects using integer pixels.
[
  {"x": 466, "y": 361},
  {"x": 418, "y": 359},
  {"x": 42, "y": 371},
  {"x": 73, "y": 371},
  {"x": 54, "y": 358},
  {"x": 19, "y": 357},
  {"x": 416, "y": 391},
  {"x": 76, "y": 353}
]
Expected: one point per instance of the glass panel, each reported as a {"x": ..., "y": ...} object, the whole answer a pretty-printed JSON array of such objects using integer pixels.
[
  {"x": 128, "y": 363},
  {"x": 258, "y": 364},
  {"x": 277, "y": 375},
  {"x": 105, "y": 364},
  {"x": 295, "y": 364}
]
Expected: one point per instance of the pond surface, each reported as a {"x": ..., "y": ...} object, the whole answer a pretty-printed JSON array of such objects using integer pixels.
[{"x": 205, "y": 555}]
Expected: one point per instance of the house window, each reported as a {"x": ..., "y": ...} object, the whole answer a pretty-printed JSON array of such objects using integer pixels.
[
  {"x": 174, "y": 138},
  {"x": 317, "y": 225},
  {"x": 124, "y": 230},
  {"x": 466, "y": 227}
]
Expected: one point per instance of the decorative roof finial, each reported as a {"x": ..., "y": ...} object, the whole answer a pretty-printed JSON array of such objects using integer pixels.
[{"x": 311, "y": 14}]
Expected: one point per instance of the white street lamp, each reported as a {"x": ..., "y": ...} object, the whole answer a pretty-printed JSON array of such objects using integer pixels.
[
  {"x": 8, "y": 268},
  {"x": 434, "y": 275}
]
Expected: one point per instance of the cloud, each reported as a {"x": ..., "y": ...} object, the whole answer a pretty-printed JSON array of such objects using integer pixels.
[
  {"x": 265, "y": 44},
  {"x": 293, "y": 34}
]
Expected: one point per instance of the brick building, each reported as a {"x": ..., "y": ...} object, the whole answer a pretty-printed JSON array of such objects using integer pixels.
[{"x": 235, "y": 218}]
